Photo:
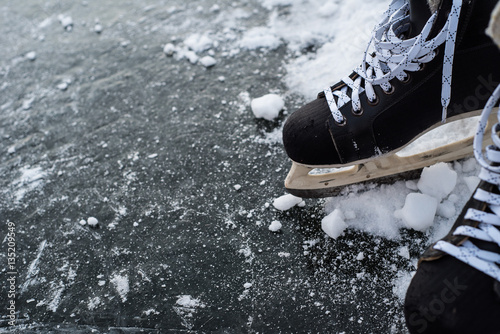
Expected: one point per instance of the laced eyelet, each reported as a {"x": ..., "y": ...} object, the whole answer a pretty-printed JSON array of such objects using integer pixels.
[
  {"x": 343, "y": 123},
  {"x": 390, "y": 91},
  {"x": 407, "y": 79},
  {"x": 374, "y": 102},
  {"x": 357, "y": 112}
]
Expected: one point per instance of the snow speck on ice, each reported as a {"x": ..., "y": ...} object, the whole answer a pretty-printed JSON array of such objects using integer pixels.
[{"x": 121, "y": 285}]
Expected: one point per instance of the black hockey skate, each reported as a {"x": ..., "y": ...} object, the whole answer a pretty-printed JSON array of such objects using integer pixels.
[
  {"x": 457, "y": 286},
  {"x": 402, "y": 89}
]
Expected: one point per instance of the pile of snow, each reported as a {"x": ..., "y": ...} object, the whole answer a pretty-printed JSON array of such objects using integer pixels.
[
  {"x": 430, "y": 205},
  {"x": 260, "y": 37},
  {"x": 267, "y": 106},
  {"x": 192, "y": 48}
]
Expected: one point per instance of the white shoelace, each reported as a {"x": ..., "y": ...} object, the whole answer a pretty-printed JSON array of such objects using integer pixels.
[
  {"x": 482, "y": 260},
  {"x": 388, "y": 56}
]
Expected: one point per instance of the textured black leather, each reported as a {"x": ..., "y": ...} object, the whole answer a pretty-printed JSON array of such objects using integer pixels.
[
  {"x": 419, "y": 14},
  {"x": 312, "y": 137}
]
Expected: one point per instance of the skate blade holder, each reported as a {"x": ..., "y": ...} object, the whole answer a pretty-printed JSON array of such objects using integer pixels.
[{"x": 316, "y": 182}]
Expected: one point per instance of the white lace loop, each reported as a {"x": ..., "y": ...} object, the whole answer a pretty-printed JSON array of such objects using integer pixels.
[
  {"x": 489, "y": 223},
  {"x": 388, "y": 56}
]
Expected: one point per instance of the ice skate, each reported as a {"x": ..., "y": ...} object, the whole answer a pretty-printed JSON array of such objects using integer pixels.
[
  {"x": 457, "y": 286},
  {"x": 421, "y": 69}
]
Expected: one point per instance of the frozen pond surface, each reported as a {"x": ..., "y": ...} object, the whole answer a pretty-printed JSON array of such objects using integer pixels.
[{"x": 96, "y": 120}]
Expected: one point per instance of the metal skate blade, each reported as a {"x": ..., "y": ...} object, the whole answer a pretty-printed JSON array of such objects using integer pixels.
[{"x": 311, "y": 182}]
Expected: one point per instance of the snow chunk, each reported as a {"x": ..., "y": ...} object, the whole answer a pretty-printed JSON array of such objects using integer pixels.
[
  {"x": 208, "y": 61},
  {"x": 472, "y": 182},
  {"x": 275, "y": 226},
  {"x": 198, "y": 43},
  {"x": 286, "y": 202},
  {"x": 169, "y": 49},
  {"x": 66, "y": 22},
  {"x": 418, "y": 212},
  {"x": 267, "y": 106},
  {"x": 437, "y": 181},
  {"x": 98, "y": 28},
  {"x": 334, "y": 224},
  {"x": 446, "y": 209},
  {"x": 92, "y": 221},
  {"x": 469, "y": 165},
  {"x": 31, "y": 55},
  {"x": 404, "y": 252}
]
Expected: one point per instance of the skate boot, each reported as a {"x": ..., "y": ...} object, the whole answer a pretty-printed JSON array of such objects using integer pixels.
[
  {"x": 420, "y": 70},
  {"x": 457, "y": 286}
]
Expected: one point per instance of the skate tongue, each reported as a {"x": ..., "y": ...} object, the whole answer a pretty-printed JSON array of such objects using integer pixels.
[{"x": 419, "y": 14}]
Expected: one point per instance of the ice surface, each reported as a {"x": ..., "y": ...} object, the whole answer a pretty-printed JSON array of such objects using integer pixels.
[
  {"x": 419, "y": 211},
  {"x": 286, "y": 202},
  {"x": 267, "y": 106},
  {"x": 437, "y": 181},
  {"x": 177, "y": 138}
]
